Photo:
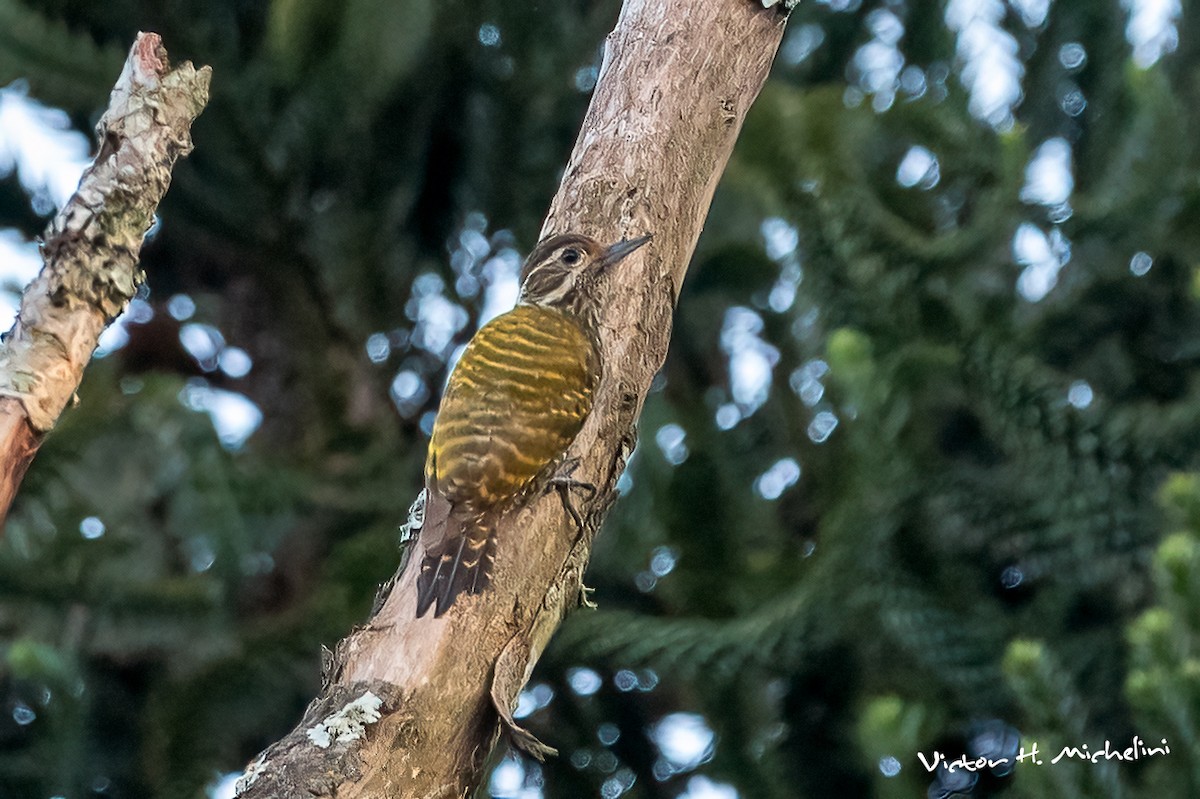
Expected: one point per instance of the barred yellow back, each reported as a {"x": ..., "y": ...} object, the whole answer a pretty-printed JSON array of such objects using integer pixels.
[{"x": 515, "y": 401}]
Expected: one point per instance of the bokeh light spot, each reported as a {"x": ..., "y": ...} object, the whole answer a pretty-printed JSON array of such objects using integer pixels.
[
  {"x": 489, "y": 35},
  {"x": 671, "y": 441},
  {"x": 1080, "y": 394},
  {"x": 1140, "y": 264},
  {"x": 584, "y": 681},
  {"x": 782, "y": 475},
  {"x": 92, "y": 528},
  {"x": 918, "y": 168},
  {"x": 822, "y": 426},
  {"x": 684, "y": 740}
]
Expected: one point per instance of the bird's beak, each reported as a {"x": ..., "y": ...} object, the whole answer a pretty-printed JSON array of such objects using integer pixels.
[{"x": 617, "y": 252}]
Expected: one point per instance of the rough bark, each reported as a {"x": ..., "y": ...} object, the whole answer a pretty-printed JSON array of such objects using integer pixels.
[
  {"x": 91, "y": 249},
  {"x": 674, "y": 88}
]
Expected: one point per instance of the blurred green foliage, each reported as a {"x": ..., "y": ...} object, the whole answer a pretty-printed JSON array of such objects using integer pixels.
[{"x": 962, "y": 515}]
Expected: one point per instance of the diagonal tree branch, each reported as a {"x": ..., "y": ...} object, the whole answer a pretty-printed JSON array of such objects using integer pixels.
[
  {"x": 91, "y": 249},
  {"x": 418, "y": 700}
]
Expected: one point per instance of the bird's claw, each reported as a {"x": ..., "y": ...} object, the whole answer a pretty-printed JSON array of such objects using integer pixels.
[{"x": 564, "y": 483}]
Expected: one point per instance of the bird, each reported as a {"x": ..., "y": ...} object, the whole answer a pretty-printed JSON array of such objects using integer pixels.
[{"x": 514, "y": 402}]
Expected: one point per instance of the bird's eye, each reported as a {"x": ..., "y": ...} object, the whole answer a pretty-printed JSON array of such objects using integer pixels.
[{"x": 570, "y": 256}]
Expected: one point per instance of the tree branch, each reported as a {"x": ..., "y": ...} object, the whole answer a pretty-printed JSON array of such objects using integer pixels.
[
  {"x": 91, "y": 250},
  {"x": 674, "y": 88}
]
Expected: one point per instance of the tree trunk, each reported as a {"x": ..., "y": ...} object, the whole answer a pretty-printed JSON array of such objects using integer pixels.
[
  {"x": 410, "y": 705},
  {"x": 91, "y": 250}
]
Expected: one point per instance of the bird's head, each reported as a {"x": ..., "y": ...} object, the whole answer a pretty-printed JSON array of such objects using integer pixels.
[{"x": 562, "y": 270}]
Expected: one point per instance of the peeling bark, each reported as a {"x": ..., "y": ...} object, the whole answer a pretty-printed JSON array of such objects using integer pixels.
[
  {"x": 674, "y": 88},
  {"x": 91, "y": 249}
]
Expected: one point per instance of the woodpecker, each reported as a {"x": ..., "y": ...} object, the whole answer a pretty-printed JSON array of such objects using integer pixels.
[{"x": 514, "y": 403}]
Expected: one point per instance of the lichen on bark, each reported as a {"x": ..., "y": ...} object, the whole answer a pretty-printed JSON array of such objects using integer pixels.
[{"x": 91, "y": 249}]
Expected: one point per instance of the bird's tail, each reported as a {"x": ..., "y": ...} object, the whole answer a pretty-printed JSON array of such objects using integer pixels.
[{"x": 458, "y": 563}]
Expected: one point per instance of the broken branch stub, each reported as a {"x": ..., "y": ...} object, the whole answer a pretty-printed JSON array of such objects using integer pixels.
[{"x": 90, "y": 251}]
